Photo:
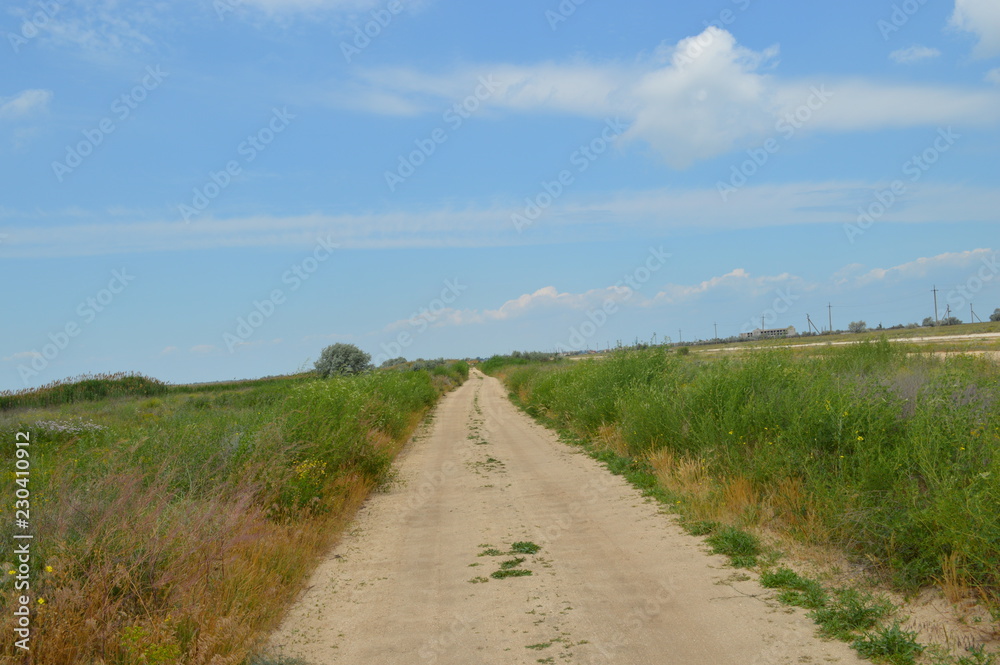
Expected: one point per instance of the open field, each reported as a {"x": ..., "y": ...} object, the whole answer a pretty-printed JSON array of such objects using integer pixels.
[
  {"x": 891, "y": 458},
  {"x": 177, "y": 528}
]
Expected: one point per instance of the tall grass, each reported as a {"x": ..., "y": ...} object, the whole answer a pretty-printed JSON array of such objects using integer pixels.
[
  {"x": 175, "y": 529},
  {"x": 86, "y": 388},
  {"x": 892, "y": 457}
]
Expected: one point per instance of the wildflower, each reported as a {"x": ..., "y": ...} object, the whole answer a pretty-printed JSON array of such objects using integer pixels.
[
  {"x": 41, "y": 601},
  {"x": 11, "y": 572},
  {"x": 48, "y": 569},
  {"x": 861, "y": 438}
]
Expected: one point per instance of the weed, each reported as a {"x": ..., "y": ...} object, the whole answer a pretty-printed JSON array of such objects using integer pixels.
[
  {"x": 742, "y": 547},
  {"x": 478, "y": 579},
  {"x": 849, "y": 611},
  {"x": 889, "y": 645},
  {"x": 796, "y": 590},
  {"x": 524, "y": 547},
  {"x": 492, "y": 551},
  {"x": 511, "y": 563},
  {"x": 701, "y": 528},
  {"x": 512, "y": 572},
  {"x": 539, "y": 646}
]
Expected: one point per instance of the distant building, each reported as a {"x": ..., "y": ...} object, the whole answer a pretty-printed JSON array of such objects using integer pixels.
[{"x": 769, "y": 333}]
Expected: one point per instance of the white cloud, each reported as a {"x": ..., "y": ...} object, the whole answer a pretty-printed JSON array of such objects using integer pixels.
[
  {"x": 702, "y": 97},
  {"x": 23, "y": 355},
  {"x": 24, "y": 103},
  {"x": 993, "y": 76},
  {"x": 545, "y": 299},
  {"x": 982, "y": 18},
  {"x": 920, "y": 267},
  {"x": 914, "y": 53},
  {"x": 737, "y": 281},
  {"x": 204, "y": 348},
  {"x": 611, "y": 217},
  {"x": 168, "y": 350}
]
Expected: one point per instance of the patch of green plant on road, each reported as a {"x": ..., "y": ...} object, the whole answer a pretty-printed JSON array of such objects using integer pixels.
[
  {"x": 511, "y": 567},
  {"x": 514, "y": 572},
  {"x": 524, "y": 547}
]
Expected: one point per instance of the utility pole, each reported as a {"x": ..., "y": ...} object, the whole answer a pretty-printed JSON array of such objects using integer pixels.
[
  {"x": 716, "y": 330},
  {"x": 762, "y": 322},
  {"x": 935, "y": 290},
  {"x": 829, "y": 307},
  {"x": 680, "y": 338}
]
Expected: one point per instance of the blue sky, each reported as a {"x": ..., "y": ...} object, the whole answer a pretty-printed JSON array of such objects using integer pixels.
[{"x": 203, "y": 190}]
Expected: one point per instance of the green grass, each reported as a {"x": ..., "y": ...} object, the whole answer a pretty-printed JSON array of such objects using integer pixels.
[
  {"x": 170, "y": 521},
  {"x": 889, "y": 645},
  {"x": 795, "y": 589},
  {"x": 87, "y": 388},
  {"x": 525, "y": 547},
  {"x": 511, "y": 572},
  {"x": 741, "y": 547},
  {"x": 849, "y": 611},
  {"x": 890, "y": 456}
]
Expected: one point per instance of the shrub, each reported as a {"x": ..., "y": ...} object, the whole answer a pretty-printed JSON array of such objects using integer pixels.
[{"x": 342, "y": 360}]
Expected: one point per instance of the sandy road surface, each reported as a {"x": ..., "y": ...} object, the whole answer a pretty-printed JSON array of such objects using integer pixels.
[{"x": 615, "y": 580}]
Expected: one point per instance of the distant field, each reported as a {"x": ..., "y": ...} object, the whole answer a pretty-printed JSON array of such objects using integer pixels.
[
  {"x": 175, "y": 524},
  {"x": 990, "y": 333}
]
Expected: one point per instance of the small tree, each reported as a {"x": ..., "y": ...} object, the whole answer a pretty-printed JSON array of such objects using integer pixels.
[
  {"x": 393, "y": 361},
  {"x": 857, "y": 326},
  {"x": 929, "y": 321},
  {"x": 951, "y": 321},
  {"x": 342, "y": 359},
  {"x": 995, "y": 316}
]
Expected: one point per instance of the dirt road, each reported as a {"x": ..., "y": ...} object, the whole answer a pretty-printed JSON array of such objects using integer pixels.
[{"x": 614, "y": 580}]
